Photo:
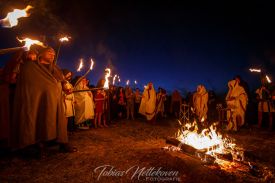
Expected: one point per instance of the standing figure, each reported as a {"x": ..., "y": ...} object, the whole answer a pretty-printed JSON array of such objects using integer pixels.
[
  {"x": 121, "y": 102},
  {"x": 161, "y": 97},
  {"x": 39, "y": 109},
  {"x": 84, "y": 104},
  {"x": 69, "y": 100},
  {"x": 99, "y": 108},
  {"x": 265, "y": 104},
  {"x": 176, "y": 102},
  {"x": 200, "y": 100},
  {"x": 137, "y": 99},
  {"x": 148, "y": 102},
  {"x": 129, "y": 102},
  {"x": 236, "y": 101}
]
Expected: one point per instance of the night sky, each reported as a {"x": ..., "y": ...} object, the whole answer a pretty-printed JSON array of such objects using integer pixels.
[{"x": 174, "y": 44}]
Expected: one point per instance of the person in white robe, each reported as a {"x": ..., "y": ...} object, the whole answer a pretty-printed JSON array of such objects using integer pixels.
[
  {"x": 200, "y": 100},
  {"x": 236, "y": 101},
  {"x": 84, "y": 103},
  {"x": 148, "y": 102}
]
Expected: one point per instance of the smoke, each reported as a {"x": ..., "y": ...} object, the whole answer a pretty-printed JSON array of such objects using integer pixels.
[{"x": 104, "y": 51}]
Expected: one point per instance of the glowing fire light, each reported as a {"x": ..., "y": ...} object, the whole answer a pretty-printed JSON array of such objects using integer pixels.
[
  {"x": 92, "y": 64},
  {"x": 255, "y": 70},
  {"x": 80, "y": 65},
  {"x": 114, "y": 79},
  {"x": 11, "y": 19},
  {"x": 107, "y": 75},
  {"x": 29, "y": 42},
  {"x": 64, "y": 39},
  {"x": 127, "y": 82},
  {"x": 268, "y": 79},
  {"x": 207, "y": 139},
  {"x": 135, "y": 81}
]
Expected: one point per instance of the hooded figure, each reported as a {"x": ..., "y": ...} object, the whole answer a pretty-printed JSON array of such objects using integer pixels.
[
  {"x": 148, "y": 102},
  {"x": 84, "y": 107},
  {"x": 68, "y": 95},
  {"x": 236, "y": 101},
  {"x": 200, "y": 100},
  {"x": 38, "y": 109}
]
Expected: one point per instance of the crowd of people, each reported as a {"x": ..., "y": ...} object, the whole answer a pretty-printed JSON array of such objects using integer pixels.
[{"x": 40, "y": 102}]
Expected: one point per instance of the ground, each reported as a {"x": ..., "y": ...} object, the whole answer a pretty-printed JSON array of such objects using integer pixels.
[{"x": 136, "y": 146}]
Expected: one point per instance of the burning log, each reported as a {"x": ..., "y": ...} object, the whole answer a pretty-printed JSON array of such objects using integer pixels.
[
  {"x": 184, "y": 147},
  {"x": 201, "y": 153}
]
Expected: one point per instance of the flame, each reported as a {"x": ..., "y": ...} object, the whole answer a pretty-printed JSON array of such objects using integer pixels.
[
  {"x": 202, "y": 119},
  {"x": 29, "y": 42},
  {"x": 268, "y": 79},
  {"x": 119, "y": 80},
  {"x": 208, "y": 139},
  {"x": 127, "y": 82},
  {"x": 135, "y": 81},
  {"x": 64, "y": 39},
  {"x": 11, "y": 19},
  {"x": 255, "y": 70},
  {"x": 114, "y": 79},
  {"x": 80, "y": 65},
  {"x": 92, "y": 64},
  {"x": 107, "y": 75}
]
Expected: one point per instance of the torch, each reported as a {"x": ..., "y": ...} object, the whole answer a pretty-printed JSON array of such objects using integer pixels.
[
  {"x": 87, "y": 72},
  {"x": 128, "y": 82},
  {"x": 11, "y": 19},
  {"x": 114, "y": 79},
  {"x": 61, "y": 40},
  {"x": 135, "y": 83},
  {"x": 26, "y": 47},
  {"x": 107, "y": 75}
]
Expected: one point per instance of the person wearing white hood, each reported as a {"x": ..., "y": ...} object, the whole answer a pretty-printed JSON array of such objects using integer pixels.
[
  {"x": 236, "y": 101},
  {"x": 200, "y": 100},
  {"x": 148, "y": 102}
]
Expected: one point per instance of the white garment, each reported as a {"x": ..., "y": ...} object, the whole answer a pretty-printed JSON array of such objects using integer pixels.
[
  {"x": 236, "y": 101},
  {"x": 200, "y": 100},
  {"x": 69, "y": 101},
  {"x": 148, "y": 103},
  {"x": 84, "y": 107}
]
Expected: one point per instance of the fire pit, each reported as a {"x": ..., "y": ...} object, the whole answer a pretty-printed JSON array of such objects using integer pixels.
[{"x": 217, "y": 151}]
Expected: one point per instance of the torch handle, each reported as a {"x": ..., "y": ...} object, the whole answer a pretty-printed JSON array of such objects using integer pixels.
[
  {"x": 10, "y": 50},
  {"x": 82, "y": 77}
]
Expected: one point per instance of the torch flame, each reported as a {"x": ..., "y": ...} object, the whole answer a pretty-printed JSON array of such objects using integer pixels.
[
  {"x": 80, "y": 65},
  {"x": 114, "y": 79},
  {"x": 29, "y": 42},
  {"x": 11, "y": 19},
  {"x": 255, "y": 70},
  {"x": 107, "y": 75},
  {"x": 92, "y": 64},
  {"x": 64, "y": 39},
  {"x": 127, "y": 82},
  {"x": 268, "y": 79}
]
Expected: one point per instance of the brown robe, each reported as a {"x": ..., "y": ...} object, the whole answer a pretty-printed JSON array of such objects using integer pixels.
[{"x": 38, "y": 109}]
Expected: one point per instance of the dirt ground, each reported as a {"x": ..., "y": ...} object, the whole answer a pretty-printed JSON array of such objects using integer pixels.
[{"x": 129, "y": 151}]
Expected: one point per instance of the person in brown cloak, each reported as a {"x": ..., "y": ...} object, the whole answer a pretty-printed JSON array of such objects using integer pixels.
[{"x": 38, "y": 111}]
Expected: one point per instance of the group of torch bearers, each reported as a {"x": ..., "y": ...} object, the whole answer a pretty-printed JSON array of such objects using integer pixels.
[{"x": 38, "y": 102}]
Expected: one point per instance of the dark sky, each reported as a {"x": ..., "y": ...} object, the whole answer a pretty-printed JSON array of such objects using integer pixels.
[{"x": 175, "y": 44}]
